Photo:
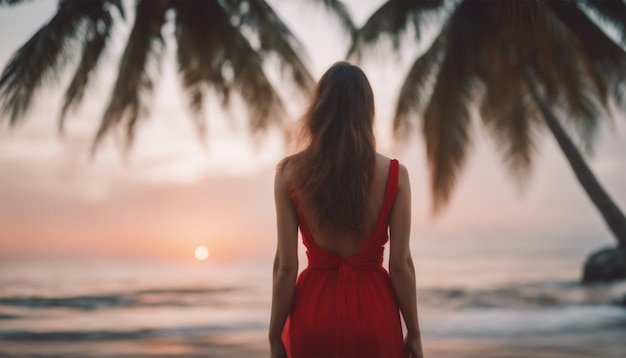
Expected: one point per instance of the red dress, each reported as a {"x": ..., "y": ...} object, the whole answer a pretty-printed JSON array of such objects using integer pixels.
[{"x": 345, "y": 307}]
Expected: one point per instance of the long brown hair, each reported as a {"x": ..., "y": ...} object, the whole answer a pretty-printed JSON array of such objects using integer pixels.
[{"x": 332, "y": 175}]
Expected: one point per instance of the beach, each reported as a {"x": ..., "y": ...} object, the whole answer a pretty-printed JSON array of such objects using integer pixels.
[
  {"x": 608, "y": 343},
  {"x": 471, "y": 304}
]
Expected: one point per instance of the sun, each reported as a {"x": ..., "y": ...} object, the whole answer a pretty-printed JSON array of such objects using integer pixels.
[{"x": 201, "y": 253}]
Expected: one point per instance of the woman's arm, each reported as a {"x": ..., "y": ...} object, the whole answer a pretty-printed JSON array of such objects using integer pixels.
[
  {"x": 401, "y": 267},
  {"x": 285, "y": 263}
]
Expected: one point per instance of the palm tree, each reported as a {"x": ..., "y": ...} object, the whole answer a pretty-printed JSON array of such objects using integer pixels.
[
  {"x": 520, "y": 64},
  {"x": 214, "y": 52}
]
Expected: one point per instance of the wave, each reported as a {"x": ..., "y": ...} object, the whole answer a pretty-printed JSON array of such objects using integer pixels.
[
  {"x": 6, "y": 316},
  {"x": 505, "y": 311},
  {"x": 526, "y": 296},
  {"x": 132, "y": 334},
  {"x": 516, "y": 297},
  {"x": 140, "y": 298},
  {"x": 526, "y": 309},
  {"x": 519, "y": 323}
]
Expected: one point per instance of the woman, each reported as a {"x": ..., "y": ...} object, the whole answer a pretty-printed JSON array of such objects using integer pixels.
[{"x": 343, "y": 196}]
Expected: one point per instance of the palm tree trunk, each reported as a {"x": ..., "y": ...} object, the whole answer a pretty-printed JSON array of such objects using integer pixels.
[{"x": 612, "y": 215}]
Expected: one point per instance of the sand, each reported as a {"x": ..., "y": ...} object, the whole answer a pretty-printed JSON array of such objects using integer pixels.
[{"x": 610, "y": 343}]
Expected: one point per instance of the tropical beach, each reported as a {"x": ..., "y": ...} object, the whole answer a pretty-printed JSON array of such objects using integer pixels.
[
  {"x": 153, "y": 236},
  {"x": 156, "y": 309}
]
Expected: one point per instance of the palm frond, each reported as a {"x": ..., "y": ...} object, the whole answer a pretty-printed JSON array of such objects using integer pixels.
[
  {"x": 613, "y": 11},
  {"x": 212, "y": 51},
  {"x": 276, "y": 38},
  {"x": 587, "y": 64},
  {"x": 198, "y": 56},
  {"x": 249, "y": 79},
  {"x": 447, "y": 117},
  {"x": 138, "y": 68},
  {"x": 391, "y": 20},
  {"x": 417, "y": 86},
  {"x": 98, "y": 31},
  {"x": 530, "y": 35},
  {"x": 581, "y": 96},
  {"x": 515, "y": 129},
  {"x": 202, "y": 58},
  {"x": 606, "y": 60},
  {"x": 511, "y": 117},
  {"x": 42, "y": 57},
  {"x": 263, "y": 102},
  {"x": 500, "y": 44}
]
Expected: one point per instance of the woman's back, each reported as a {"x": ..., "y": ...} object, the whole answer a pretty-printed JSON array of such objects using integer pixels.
[
  {"x": 345, "y": 305},
  {"x": 342, "y": 244}
]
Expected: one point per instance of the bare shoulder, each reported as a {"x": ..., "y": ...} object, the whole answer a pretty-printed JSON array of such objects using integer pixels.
[
  {"x": 403, "y": 178},
  {"x": 403, "y": 171},
  {"x": 284, "y": 164},
  {"x": 281, "y": 181},
  {"x": 284, "y": 169},
  {"x": 382, "y": 165},
  {"x": 281, "y": 168}
]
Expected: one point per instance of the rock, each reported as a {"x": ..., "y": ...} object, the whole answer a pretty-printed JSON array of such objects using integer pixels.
[{"x": 608, "y": 264}]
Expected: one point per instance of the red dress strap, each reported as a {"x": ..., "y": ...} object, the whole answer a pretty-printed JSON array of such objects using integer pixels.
[{"x": 388, "y": 200}]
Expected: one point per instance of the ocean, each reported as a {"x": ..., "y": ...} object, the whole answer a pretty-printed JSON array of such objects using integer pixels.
[{"x": 495, "y": 299}]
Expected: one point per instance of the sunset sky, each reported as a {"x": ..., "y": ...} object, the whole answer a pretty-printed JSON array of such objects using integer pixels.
[{"x": 172, "y": 193}]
